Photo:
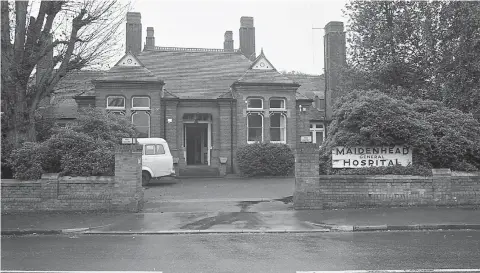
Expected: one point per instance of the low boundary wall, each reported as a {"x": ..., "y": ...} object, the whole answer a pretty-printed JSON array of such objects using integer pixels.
[
  {"x": 122, "y": 192},
  {"x": 314, "y": 191}
]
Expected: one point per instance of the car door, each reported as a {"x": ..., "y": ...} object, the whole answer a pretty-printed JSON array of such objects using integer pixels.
[
  {"x": 149, "y": 157},
  {"x": 164, "y": 161}
]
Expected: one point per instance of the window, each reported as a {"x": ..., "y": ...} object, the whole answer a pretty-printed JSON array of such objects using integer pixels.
[
  {"x": 277, "y": 104},
  {"x": 160, "y": 149},
  {"x": 141, "y": 103},
  {"x": 116, "y": 102},
  {"x": 256, "y": 104},
  {"x": 255, "y": 127},
  {"x": 141, "y": 121},
  {"x": 277, "y": 128},
  {"x": 150, "y": 149},
  {"x": 318, "y": 133}
]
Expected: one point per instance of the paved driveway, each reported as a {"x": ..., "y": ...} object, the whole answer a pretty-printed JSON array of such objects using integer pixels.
[{"x": 219, "y": 194}]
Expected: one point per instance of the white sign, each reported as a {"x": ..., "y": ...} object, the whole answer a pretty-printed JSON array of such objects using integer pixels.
[
  {"x": 127, "y": 140},
  {"x": 363, "y": 157},
  {"x": 306, "y": 139}
]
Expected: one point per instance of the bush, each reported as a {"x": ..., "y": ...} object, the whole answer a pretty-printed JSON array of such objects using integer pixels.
[
  {"x": 84, "y": 149},
  {"x": 265, "y": 159},
  {"x": 27, "y": 161},
  {"x": 440, "y": 137}
]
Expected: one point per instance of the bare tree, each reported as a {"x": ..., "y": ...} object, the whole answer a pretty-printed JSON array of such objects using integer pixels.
[{"x": 64, "y": 36}]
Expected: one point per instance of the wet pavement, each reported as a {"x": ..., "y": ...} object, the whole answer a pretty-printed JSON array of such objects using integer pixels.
[
  {"x": 250, "y": 216},
  {"x": 276, "y": 253}
]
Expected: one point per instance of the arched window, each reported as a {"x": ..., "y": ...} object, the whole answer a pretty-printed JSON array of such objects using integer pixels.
[
  {"x": 254, "y": 104},
  {"x": 140, "y": 103},
  {"x": 277, "y": 104},
  {"x": 141, "y": 121},
  {"x": 116, "y": 102},
  {"x": 277, "y": 128},
  {"x": 254, "y": 128}
]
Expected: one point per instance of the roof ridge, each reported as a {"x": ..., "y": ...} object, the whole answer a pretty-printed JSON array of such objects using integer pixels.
[{"x": 194, "y": 49}]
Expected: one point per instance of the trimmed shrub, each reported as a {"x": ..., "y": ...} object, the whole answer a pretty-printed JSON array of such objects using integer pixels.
[
  {"x": 27, "y": 161},
  {"x": 265, "y": 159}
]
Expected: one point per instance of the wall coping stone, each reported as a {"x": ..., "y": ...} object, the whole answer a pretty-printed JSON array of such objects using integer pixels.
[
  {"x": 89, "y": 179},
  {"x": 16, "y": 182},
  {"x": 52, "y": 176}
]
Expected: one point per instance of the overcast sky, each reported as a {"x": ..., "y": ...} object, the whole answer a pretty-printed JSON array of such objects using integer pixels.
[{"x": 282, "y": 28}]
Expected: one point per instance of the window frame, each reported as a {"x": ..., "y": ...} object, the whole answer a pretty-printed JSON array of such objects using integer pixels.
[
  {"x": 149, "y": 120},
  {"x": 254, "y": 109},
  {"x": 248, "y": 127},
  {"x": 141, "y": 108},
  {"x": 278, "y": 109},
  {"x": 148, "y": 145},
  {"x": 284, "y": 118},
  {"x": 117, "y": 107},
  {"x": 314, "y": 130}
]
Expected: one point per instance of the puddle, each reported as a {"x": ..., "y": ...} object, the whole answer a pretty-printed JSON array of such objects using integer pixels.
[{"x": 249, "y": 220}]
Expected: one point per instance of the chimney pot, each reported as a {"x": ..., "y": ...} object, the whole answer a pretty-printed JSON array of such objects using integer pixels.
[
  {"x": 228, "y": 42},
  {"x": 150, "y": 40},
  {"x": 246, "y": 21}
]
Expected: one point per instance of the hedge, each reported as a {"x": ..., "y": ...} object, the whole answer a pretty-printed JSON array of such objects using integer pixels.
[{"x": 265, "y": 159}]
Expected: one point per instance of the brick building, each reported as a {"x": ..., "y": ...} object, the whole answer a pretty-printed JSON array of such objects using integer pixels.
[{"x": 207, "y": 102}]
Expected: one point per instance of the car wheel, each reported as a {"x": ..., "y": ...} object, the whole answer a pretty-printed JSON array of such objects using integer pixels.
[{"x": 145, "y": 178}]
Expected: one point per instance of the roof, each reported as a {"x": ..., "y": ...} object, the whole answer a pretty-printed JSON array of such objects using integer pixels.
[
  {"x": 129, "y": 73},
  {"x": 310, "y": 85},
  {"x": 72, "y": 84},
  {"x": 152, "y": 140},
  {"x": 195, "y": 73},
  {"x": 264, "y": 76}
]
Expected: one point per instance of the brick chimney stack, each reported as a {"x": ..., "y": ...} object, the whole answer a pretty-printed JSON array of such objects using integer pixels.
[
  {"x": 134, "y": 33},
  {"x": 228, "y": 43},
  {"x": 335, "y": 59},
  {"x": 247, "y": 37},
  {"x": 150, "y": 43}
]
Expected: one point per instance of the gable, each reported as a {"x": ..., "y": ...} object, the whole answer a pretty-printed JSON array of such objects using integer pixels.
[
  {"x": 262, "y": 64},
  {"x": 129, "y": 60}
]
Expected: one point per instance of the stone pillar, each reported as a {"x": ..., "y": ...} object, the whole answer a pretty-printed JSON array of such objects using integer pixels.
[
  {"x": 306, "y": 176},
  {"x": 128, "y": 191}
]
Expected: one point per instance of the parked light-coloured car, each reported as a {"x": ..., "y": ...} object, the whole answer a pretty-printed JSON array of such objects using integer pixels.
[{"x": 157, "y": 161}]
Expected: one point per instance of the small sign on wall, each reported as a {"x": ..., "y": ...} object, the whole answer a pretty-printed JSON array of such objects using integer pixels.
[
  {"x": 127, "y": 140},
  {"x": 306, "y": 139}
]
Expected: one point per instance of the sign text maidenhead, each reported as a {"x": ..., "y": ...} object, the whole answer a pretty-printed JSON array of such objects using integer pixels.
[{"x": 364, "y": 157}]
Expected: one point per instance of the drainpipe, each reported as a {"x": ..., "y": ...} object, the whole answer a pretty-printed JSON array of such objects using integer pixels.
[
  {"x": 165, "y": 120},
  {"x": 231, "y": 135}
]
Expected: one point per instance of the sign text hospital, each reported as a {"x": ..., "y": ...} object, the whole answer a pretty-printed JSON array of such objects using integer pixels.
[{"x": 362, "y": 157}]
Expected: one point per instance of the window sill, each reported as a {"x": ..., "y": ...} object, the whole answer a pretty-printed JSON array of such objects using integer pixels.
[
  {"x": 253, "y": 142},
  {"x": 140, "y": 108},
  {"x": 281, "y": 142},
  {"x": 116, "y": 108}
]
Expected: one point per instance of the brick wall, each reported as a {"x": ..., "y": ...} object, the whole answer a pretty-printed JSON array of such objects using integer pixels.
[
  {"x": 313, "y": 191},
  {"x": 122, "y": 192}
]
